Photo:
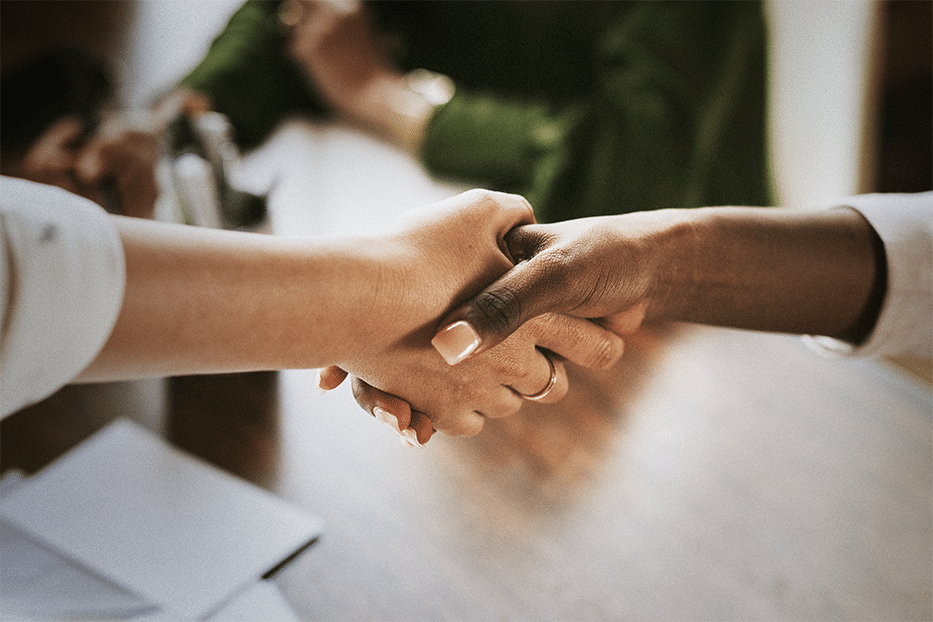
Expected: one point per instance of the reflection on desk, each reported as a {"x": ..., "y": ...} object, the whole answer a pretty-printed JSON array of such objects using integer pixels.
[{"x": 712, "y": 475}]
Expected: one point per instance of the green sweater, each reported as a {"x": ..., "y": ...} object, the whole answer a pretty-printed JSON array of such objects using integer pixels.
[{"x": 585, "y": 108}]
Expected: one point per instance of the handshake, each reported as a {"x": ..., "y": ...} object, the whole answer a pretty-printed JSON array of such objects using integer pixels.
[
  {"x": 500, "y": 303},
  {"x": 494, "y": 312},
  {"x": 467, "y": 308}
]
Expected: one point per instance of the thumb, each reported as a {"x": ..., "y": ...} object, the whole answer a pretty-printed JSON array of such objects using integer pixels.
[{"x": 529, "y": 289}]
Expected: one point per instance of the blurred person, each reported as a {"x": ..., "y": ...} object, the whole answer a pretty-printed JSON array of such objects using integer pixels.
[
  {"x": 585, "y": 108},
  {"x": 61, "y": 127}
]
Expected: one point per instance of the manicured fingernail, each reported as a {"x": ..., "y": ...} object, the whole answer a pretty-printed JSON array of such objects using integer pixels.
[
  {"x": 317, "y": 384},
  {"x": 386, "y": 418},
  {"x": 410, "y": 437},
  {"x": 456, "y": 342}
]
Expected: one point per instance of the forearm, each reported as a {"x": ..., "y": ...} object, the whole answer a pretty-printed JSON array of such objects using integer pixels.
[
  {"x": 207, "y": 301},
  {"x": 773, "y": 270}
]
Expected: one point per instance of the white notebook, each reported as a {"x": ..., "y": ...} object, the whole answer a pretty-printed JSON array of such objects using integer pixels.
[{"x": 165, "y": 525}]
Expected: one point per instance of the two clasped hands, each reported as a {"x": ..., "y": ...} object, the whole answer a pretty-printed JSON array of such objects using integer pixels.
[
  {"x": 540, "y": 295},
  {"x": 468, "y": 308},
  {"x": 448, "y": 377}
]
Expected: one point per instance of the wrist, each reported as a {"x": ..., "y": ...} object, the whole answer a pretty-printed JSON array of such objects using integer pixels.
[
  {"x": 377, "y": 299},
  {"x": 665, "y": 264},
  {"x": 771, "y": 270}
]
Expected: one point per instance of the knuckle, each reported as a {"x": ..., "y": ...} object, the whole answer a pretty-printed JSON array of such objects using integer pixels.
[
  {"x": 607, "y": 351},
  {"x": 465, "y": 424},
  {"x": 499, "y": 310},
  {"x": 473, "y": 424},
  {"x": 558, "y": 261},
  {"x": 494, "y": 200},
  {"x": 480, "y": 196}
]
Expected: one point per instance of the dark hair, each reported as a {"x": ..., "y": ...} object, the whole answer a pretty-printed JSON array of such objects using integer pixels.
[{"x": 48, "y": 87}]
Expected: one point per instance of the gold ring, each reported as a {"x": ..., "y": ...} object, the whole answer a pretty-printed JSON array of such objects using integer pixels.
[{"x": 540, "y": 395}]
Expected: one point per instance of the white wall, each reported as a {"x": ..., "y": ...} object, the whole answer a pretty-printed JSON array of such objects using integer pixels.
[
  {"x": 168, "y": 37},
  {"x": 821, "y": 108}
]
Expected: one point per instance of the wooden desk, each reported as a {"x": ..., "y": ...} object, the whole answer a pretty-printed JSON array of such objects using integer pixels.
[{"x": 713, "y": 475}]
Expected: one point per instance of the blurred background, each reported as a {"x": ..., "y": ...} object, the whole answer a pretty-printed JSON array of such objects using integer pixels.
[{"x": 849, "y": 102}]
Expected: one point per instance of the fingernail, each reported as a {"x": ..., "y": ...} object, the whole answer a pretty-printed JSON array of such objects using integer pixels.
[
  {"x": 386, "y": 418},
  {"x": 410, "y": 437},
  {"x": 456, "y": 342}
]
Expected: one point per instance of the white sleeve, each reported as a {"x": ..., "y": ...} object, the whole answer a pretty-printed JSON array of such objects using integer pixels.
[
  {"x": 62, "y": 275},
  {"x": 904, "y": 223}
]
